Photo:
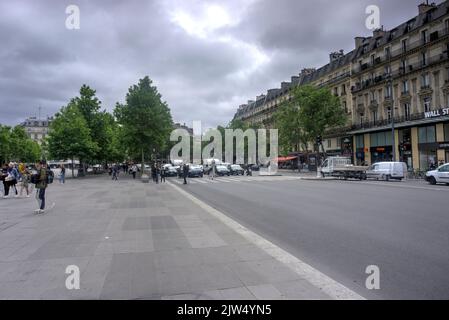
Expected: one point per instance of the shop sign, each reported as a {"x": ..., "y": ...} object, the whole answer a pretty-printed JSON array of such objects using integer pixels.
[
  {"x": 436, "y": 113},
  {"x": 443, "y": 145}
]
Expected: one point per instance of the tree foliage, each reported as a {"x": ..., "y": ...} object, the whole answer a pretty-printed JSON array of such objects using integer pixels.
[
  {"x": 308, "y": 114},
  {"x": 145, "y": 119},
  {"x": 16, "y": 145}
]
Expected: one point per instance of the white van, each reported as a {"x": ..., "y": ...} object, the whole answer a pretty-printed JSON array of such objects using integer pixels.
[{"x": 387, "y": 171}]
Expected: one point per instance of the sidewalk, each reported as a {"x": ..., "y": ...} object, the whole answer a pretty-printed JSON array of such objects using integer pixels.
[{"x": 132, "y": 240}]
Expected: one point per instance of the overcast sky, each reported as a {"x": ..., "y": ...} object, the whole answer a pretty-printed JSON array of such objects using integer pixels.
[{"x": 205, "y": 56}]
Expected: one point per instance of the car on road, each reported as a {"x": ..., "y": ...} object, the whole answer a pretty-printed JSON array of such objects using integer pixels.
[
  {"x": 170, "y": 171},
  {"x": 195, "y": 171},
  {"x": 222, "y": 171},
  {"x": 235, "y": 169},
  {"x": 387, "y": 171},
  {"x": 439, "y": 175}
]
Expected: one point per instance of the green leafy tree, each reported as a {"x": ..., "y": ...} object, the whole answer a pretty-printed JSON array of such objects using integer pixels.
[
  {"x": 69, "y": 135},
  {"x": 16, "y": 145},
  {"x": 311, "y": 111},
  {"x": 146, "y": 120}
]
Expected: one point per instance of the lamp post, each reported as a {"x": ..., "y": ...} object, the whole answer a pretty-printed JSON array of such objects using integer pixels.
[{"x": 393, "y": 148}]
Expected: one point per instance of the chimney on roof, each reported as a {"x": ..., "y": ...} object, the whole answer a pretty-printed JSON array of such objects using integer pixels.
[
  {"x": 378, "y": 32},
  {"x": 285, "y": 85},
  {"x": 424, "y": 7},
  {"x": 359, "y": 41},
  {"x": 333, "y": 56},
  {"x": 307, "y": 71}
]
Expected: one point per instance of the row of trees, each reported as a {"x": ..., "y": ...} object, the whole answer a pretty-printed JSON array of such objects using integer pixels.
[
  {"x": 307, "y": 115},
  {"x": 82, "y": 130},
  {"x": 15, "y": 145}
]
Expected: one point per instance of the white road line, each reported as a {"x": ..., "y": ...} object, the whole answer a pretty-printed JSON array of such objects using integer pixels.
[{"x": 328, "y": 285}]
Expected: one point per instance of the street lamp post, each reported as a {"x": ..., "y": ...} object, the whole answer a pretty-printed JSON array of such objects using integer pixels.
[{"x": 393, "y": 148}]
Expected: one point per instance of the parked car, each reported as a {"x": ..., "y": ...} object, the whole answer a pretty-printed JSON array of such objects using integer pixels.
[
  {"x": 236, "y": 169},
  {"x": 222, "y": 171},
  {"x": 439, "y": 175},
  {"x": 254, "y": 167},
  {"x": 171, "y": 171},
  {"x": 387, "y": 171},
  {"x": 195, "y": 171}
]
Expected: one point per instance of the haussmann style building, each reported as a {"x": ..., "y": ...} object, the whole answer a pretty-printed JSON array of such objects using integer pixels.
[{"x": 394, "y": 78}]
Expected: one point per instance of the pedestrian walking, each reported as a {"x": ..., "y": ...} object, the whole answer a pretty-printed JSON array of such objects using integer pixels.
[
  {"x": 3, "y": 187},
  {"x": 212, "y": 170},
  {"x": 185, "y": 171},
  {"x": 11, "y": 179},
  {"x": 41, "y": 182},
  {"x": 163, "y": 174},
  {"x": 134, "y": 171},
  {"x": 62, "y": 174},
  {"x": 25, "y": 183},
  {"x": 115, "y": 172}
]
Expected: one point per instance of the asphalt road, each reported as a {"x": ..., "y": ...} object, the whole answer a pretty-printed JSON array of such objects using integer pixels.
[{"x": 341, "y": 227}]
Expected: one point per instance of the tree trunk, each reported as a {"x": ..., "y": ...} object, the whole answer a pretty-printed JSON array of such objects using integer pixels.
[
  {"x": 142, "y": 166},
  {"x": 73, "y": 170}
]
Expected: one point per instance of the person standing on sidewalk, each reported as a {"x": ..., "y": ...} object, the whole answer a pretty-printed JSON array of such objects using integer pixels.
[
  {"x": 4, "y": 187},
  {"x": 115, "y": 172},
  {"x": 62, "y": 174},
  {"x": 41, "y": 185},
  {"x": 212, "y": 170},
  {"x": 25, "y": 182},
  {"x": 185, "y": 172},
  {"x": 162, "y": 174},
  {"x": 134, "y": 170}
]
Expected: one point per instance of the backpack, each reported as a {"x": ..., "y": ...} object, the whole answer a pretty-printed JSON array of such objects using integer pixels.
[{"x": 50, "y": 176}]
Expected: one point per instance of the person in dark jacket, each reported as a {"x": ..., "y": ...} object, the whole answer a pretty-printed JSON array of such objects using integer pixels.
[
  {"x": 41, "y": 185},
  {"x": 185, "y": 172}
]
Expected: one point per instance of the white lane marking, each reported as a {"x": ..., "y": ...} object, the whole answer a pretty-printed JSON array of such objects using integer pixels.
[
  {"x": 328, "y": 285},
  {"x": 201, "y": 181},
  {"x": 395, "y": 185}
]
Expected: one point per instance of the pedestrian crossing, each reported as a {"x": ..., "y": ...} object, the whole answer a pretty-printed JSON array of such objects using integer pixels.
[{"x": 233, "y": 179}]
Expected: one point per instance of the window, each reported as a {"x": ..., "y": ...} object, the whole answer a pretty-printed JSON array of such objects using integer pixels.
[
  {"x": 444, "y": 168},
  {"x": 329, "y": 143},
  {"x": 403, "y": 64},
  {"x": 424, "y": 37},
  {"x": 389, "y": 114},
  {"x": 446, "y": 25},
  {"x": 372, "y": 96},
  {"x": 343, "y": 89},
  {"x": 425, "y": 80},
  {"x": 404, "y": 45},
  {"x": 345, "y": 106},
  {"x": 373, "y": 58},
  {"x": 380, "y": 139},
  {"x": 362, "y": 120},
  {"x": 374, "y": 114},
  {"x": 388, "y": 92},
  {"x": 407, "y": 111},
  {"x": 426, "y": 103},
  {"x": 426, "y": 134},
  {"x": 387, "y": 52},
  {"x": 359, "y": 141},
  {"x": 424, "y": 58},
  {"x": 446, "y": 132},
  {"x": 405, "y": 86},
  {"x": 387, "y": 69}
]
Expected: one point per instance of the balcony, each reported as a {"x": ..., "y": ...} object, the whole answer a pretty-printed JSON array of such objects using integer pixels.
[
  {"x": 386, "y": 122},
  {"x": 434, "y": 36}
]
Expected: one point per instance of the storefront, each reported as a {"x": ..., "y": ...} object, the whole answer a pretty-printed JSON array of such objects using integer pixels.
[
  {"x": 381, "y": 146},
  {"x": 359, "y": 149},
  {"x": 405, "y": 147}
]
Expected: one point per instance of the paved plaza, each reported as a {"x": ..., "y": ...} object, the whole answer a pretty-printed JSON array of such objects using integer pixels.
[{"x": 132, "y": 240}]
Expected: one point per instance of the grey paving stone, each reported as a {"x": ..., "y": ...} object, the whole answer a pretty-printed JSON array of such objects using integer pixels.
[
  {"x": 163, "y": 222},
  {"x": 300, "y": 290},
  {"x": 136, "y": 223},
  {"x": 265, "y": 292}
]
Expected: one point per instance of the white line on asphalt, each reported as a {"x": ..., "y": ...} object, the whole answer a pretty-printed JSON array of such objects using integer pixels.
[
  {"x": 394, "y": 185},
  {"x": 328, "y": 285}
]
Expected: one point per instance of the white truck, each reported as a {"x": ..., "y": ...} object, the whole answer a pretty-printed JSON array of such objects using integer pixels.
[{"x": 342, "y": 167}]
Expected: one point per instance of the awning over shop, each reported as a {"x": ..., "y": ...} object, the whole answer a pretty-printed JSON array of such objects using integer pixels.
[{"x": 283, "y": 159}]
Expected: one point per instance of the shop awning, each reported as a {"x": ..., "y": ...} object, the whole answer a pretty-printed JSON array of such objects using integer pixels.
[{"x": 283, "y": 159}]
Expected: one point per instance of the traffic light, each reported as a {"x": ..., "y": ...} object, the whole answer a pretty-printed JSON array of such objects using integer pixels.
[{"x": 319, "y": 140}]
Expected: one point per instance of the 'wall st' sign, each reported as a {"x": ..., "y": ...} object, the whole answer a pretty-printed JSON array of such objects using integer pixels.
[{"x": 437, "y": 113}]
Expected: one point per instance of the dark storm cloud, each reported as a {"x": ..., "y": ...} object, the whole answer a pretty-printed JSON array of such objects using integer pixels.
[{"x": 206, "y": 57}]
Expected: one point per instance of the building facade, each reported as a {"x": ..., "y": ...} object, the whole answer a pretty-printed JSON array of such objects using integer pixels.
[
  {"x": 37, "y": 128},
  {"x": 394, "y": 78}
]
